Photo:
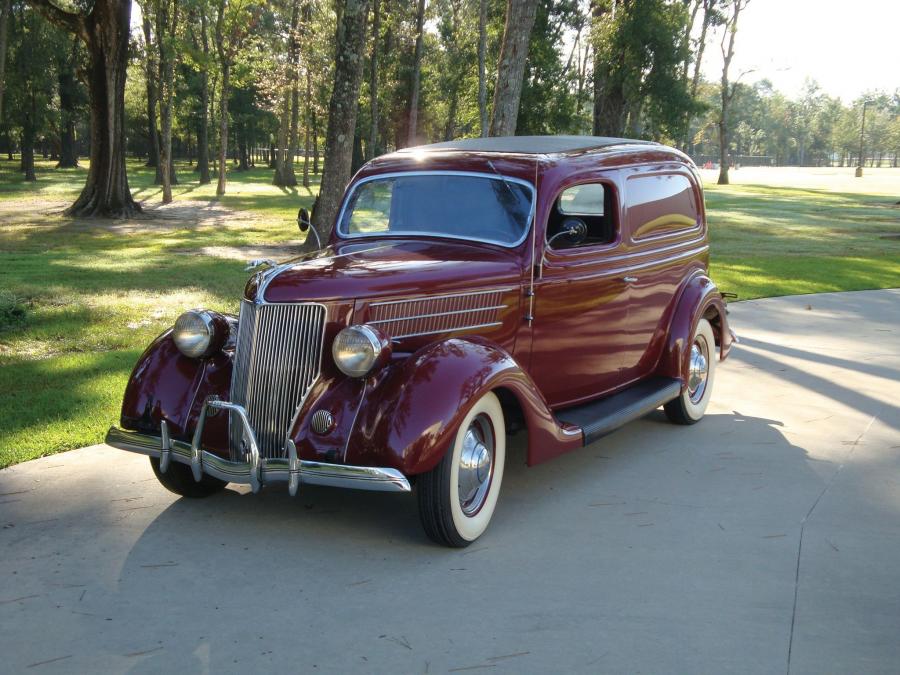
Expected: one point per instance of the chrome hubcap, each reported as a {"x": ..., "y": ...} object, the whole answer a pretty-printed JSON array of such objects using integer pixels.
[
  {"x": 699, "y": 370},
  {"x": 476, "y": 462}
]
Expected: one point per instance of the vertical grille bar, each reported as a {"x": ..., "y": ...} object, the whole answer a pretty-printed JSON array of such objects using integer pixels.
[{"x": 277, "y": 359}]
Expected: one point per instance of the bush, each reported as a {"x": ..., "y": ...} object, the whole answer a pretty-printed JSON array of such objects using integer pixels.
[{"x": 12, "y": 310}]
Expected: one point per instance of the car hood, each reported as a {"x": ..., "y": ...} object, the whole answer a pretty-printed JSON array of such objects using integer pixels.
[{"x": 381, "y": 268}]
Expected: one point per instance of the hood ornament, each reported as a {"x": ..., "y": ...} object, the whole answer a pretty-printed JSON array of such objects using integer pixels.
[{"x": 253, "y": 264}]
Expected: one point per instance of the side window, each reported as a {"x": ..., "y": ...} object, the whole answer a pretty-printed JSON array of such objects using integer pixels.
[
  {"x": 582, "y": 216},
  {"x": 660, "y": 204}
]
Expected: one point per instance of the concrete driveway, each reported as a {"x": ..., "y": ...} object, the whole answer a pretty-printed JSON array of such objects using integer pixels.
[{"x": 765, "y": 539}]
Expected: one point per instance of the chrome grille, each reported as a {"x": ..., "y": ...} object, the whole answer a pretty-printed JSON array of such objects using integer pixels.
[
  {"x": 437, "y": 314},
  {"x": 277, "y": 358}
]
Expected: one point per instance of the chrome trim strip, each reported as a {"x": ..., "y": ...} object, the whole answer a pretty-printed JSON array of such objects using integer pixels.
[
  {"x": 429, "y": 316},
  {"x": 442, "y": 296},
  {"x": 446, "y": 330},
  {"x": 378, "y": 479},
  {"x": 434, "y": 235}
]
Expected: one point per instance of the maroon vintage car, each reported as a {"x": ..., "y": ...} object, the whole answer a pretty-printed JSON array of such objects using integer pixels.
[{"x": 470, "y": 289}]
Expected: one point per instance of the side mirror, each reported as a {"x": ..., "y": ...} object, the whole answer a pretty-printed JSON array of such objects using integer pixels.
[{"x": 303, "y": 221}]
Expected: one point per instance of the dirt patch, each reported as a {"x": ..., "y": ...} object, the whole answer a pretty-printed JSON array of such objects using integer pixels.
[
  {"x": 275, "y": 252},
  {"x": 156, "y": 217}
]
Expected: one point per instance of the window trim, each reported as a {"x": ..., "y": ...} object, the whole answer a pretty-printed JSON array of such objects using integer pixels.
[
  {"x": 431, "y": 235},
  {"x": 616, "y": 214},
  {"x": 700, "y": 218}
]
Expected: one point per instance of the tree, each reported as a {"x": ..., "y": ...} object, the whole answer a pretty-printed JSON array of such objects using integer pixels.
[
  {"x": 287, "y": 137},
  {"x": 202, "y": 59},
  {"x": 727, "y": 89},
  {"x": 412, "y": 127},
  {"x": 549, "y": 95},
  {"x": 70, "y": 101},
  {"x": 166, "y": 18},
  {"x": 520, "y": 15},
  {"x": 482, "y": 57},
  {"x": 234, "y": 21},
  {"x": 342, "y": 111},
  {"x": 31, "y": 81},
  {"x": 105, "y": 30},
  {"x": 639, "y": 52},
  {"x": 373, "y": 85},
  {"x": 150, "y": 75},
  {"x": 5, "y": 9}
]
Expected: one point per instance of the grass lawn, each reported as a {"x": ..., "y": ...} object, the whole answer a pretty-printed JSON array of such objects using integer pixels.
[{"x": 79, "y": 300}]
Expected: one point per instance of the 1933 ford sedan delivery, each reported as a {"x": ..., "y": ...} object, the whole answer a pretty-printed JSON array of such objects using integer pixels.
[{"x": 556, "y": 285}]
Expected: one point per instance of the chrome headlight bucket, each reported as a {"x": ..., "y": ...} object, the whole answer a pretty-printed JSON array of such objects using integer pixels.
[
  {"x": 199, "y": 333},
  {"x": 357, "y": 350}
]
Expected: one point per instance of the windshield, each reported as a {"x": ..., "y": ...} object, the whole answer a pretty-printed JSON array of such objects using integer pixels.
[{"x": 463, "y": 206}]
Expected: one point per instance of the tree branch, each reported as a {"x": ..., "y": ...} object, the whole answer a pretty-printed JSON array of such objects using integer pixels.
[{"x": 73, "y": 22}]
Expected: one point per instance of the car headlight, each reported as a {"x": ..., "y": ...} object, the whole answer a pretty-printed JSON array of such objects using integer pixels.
[
  {"x": 199, "y": 333},
  {"x": 359, "y": 349}
]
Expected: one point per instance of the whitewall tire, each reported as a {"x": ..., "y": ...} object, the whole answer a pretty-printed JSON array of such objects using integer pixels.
[
  {"x": 691, "y": 405},
  {"x": 458, "y": 497}
]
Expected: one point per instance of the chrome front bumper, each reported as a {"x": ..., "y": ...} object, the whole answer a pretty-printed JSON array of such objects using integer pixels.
[{"x": 256, "y": 471}]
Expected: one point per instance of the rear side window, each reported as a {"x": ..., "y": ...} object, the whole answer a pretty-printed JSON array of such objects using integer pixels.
[
  {"x": 661, "y": 204},
  {"x": 586, "y": 210}
]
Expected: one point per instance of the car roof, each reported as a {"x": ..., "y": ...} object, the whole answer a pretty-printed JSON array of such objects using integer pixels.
[{"x": 529, "y": 145}]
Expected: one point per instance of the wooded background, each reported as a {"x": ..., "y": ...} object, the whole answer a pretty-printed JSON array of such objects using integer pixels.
[{"x": 313, "y": 86}]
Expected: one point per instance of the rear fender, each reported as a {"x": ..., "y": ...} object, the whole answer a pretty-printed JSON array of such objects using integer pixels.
[
  {"x": 410, "y": 417},
  {"x": 699, "y": 299}
]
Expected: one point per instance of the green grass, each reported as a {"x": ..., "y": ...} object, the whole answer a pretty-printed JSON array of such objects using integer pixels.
[
  {"x": 94, "y": 293},
  {"x": 79, "y": 300},
  {"x": 769, "y": 240}
]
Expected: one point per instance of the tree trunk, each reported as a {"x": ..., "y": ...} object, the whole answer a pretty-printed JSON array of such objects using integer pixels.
[
  {"x": 203, "y": 127},
  {"x": 306, "y": 124},
  {"x": 450, "y": 128},
  {"x": 5, "y": 9},
  {"x": 412, "y": 126},
  {"x": 223, "y": 129},
  {"x": 520, "y": 15},
  {"x": 342, "y": 112},
  {"x": 27, "y": 165},
  {"x": 150, "y": 75},
  {"x": 166, "y": 28},
  {"x": 106, "y": 31},
  {"x": 290, "y": 178},
  {"x": 241, "y": 138},
  {"x": 610, "y": 104},
  {"x": 315, "y": 140},
  {"x": 727, "y": 90},
  {"x": 482, "y": 56},
  {"x": 68, "y": 155},
  {"x": 373, "y": 83},
  {"x": 280, "y": 151}
]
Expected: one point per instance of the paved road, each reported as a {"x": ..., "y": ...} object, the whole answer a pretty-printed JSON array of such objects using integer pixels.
[{"x": 765, "y": 540}]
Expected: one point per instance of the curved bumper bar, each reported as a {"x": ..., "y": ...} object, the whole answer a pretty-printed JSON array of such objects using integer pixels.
[{"x": 258, "y": 470}]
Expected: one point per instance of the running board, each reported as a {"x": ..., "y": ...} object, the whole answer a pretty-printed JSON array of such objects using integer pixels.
[{"x": 599, "y": 418}]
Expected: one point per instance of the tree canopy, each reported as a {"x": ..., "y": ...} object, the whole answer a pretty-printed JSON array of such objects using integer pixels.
[{"x": 230, "y": 84}]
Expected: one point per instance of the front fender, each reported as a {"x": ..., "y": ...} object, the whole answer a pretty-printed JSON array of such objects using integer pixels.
[
  {"x": 699, "y": 298},
  {"x": 409, "y": 419},
  {"x": 167, "y": 385}
]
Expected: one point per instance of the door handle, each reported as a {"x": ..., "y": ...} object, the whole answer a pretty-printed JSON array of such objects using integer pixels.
[{"x": 629, "y": 280}]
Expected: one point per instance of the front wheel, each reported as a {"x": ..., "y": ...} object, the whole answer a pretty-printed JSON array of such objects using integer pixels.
[
  {"x": 691, "y": 405},
  {"x": 179, "y": 479},
  {"x": 457, "y": 498}
]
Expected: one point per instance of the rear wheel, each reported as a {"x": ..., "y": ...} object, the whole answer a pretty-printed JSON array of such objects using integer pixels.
[
  {"x": 691, "y": 405},
  {"x": 179, "y": 479},
  {"x": 457, "y": 498}
]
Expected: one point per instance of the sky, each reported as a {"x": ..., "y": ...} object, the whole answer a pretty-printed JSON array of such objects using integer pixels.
[{"x": 849, "y": 48}]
